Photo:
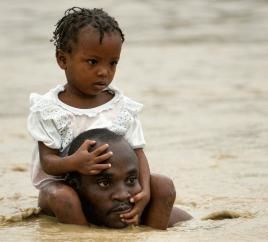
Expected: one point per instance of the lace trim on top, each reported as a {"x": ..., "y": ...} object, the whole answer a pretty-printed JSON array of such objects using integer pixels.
[{"x": 50, "y": 105}]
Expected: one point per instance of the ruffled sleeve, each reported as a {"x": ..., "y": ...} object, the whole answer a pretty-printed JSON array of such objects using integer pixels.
[
  {"x": 48, "y": 123},
  {"x": 135, "y": 135},
  {"x": 128, "y": 123}
]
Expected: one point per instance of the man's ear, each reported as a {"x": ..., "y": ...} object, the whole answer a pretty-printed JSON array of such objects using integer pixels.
[
  {"x": 73, "y": 180},
  {"x": 61, "y": 57}
]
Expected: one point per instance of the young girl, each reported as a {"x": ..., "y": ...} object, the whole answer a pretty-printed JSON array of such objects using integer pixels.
[{"x": 88, "y": 45}]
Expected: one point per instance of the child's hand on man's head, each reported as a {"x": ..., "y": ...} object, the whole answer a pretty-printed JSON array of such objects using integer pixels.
[
  {"x": 87, "y": 163},
  {"x": 140, "y": 201}
]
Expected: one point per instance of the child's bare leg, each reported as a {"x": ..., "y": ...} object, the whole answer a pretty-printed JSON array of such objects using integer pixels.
[
  {"x": 160, "y": 213},
  {"x": 59, "y": 200}
]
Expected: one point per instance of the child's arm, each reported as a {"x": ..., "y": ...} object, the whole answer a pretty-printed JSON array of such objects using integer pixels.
[
  {"x": 142, "y": 198},
  {"x": 144, "y": 171},
  {"x": 82, "y": 160}
]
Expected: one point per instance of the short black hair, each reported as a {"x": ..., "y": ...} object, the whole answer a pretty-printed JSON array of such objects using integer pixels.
[
  {"x": 101, "y": 135},
  {"x": 75, "y": 18}
]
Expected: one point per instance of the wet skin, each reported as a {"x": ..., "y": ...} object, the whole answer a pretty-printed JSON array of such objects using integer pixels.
[
  {"x": 89, "y": 68},
  {"x": 109, "y": 192}
]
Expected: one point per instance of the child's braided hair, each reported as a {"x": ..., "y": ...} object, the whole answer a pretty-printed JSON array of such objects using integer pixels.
[{"x": 75, "y": 18}]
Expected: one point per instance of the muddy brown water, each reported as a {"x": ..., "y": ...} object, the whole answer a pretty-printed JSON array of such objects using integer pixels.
[{"x": 199, "y": 67}]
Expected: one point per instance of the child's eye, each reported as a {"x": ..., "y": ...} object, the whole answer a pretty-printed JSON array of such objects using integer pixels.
[
  {"x": 132, "y": 180},
  {"x": 114, "y": 63},
  {"x": 92, "y": 61}
]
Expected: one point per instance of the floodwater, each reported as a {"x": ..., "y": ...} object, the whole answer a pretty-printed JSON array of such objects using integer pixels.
[{"x": 199, "y": 67}]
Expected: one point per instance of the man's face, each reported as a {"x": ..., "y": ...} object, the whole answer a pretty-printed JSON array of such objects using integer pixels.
[{"x": 109, "y": 192}]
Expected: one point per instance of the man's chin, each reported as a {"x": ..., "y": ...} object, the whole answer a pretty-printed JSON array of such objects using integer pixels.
[{"x": 116, "y": 224}]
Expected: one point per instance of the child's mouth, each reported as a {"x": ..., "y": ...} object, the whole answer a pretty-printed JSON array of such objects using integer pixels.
[{"x": 100, "y": 84}]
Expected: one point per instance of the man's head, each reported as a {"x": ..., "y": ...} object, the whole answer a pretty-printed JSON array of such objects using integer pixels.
[{"x": 106, "y": 195}]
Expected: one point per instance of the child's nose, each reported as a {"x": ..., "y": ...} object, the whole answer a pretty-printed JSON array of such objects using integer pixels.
[{"x": 102, "y": 71}]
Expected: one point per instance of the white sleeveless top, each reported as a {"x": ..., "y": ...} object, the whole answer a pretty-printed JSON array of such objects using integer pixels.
[{"x": 56, "y": 124}]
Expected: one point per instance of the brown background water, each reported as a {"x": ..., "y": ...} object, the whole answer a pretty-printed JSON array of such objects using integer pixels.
[{"x": 199, "y": 67}]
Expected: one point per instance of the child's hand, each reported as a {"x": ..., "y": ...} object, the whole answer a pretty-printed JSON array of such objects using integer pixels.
[
  {"x": 87, "y": 163},
  {"x": 141, "y": 199}
]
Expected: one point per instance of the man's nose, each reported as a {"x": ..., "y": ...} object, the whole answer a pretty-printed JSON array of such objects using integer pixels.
[{"x": 121, "y": 193}]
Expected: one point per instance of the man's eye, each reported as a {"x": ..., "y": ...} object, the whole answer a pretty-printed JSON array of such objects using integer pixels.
[
  {"x": 132, "y": 180},
  {"x": 92, "y": 61},
  {"x": 104, "y": 183}
]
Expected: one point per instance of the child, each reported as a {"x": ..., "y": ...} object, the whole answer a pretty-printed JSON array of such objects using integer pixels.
[
  {"x": 88, "y": 45},
  {"x": 106, "y": 195}
]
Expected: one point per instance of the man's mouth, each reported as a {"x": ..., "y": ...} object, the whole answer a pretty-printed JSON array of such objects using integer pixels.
[{"x": 121, "y": 208}]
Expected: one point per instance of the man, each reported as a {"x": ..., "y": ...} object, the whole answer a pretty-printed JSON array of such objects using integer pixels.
[{"x": 106, "y": 196}]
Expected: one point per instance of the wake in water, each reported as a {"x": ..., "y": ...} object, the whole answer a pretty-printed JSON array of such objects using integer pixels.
[
  {"x": 26, "y": 213},
  {"x": 225, "y": 214},
  {"x": 21, "y": 215}
]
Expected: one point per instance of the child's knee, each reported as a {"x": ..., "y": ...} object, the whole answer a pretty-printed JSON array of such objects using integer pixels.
[
  {"x": 64, "y": 197},
  {"x": 163, "y": 188}
]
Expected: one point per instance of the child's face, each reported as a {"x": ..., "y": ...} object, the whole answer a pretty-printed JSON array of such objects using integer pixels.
[
  {"x": 91, "y": 65},
  {"x": 109, "y": 192}
]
